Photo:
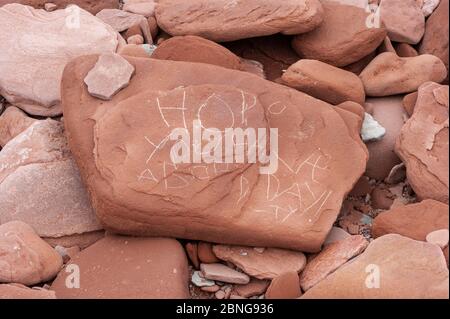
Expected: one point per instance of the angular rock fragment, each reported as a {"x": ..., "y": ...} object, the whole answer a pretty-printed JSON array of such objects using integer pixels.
[{"x": 223, "y": 273}]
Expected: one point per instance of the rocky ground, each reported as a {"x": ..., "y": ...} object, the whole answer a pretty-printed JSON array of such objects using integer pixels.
[{"x": 91, "y": 205}]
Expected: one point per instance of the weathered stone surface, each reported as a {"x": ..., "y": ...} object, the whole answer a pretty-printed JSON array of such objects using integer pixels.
[
  {"x": 415, "y": 221},
  {"x": 325, "y": 82},
  {"x": 409, "y": 102},
  {"x": 121, "y": 20},
  {"x": 36, "y": 45},
  {"x": 230, "y": 208},
  {"x": 224, "y": 20},
  {"x": 285, "y": 286},
  {"x": 265, "y": 265},
  {"x": 19, "y": 291},
  {"x": 406, "y": 269},
  {"x": 196, "y": 49},
  {"x": 423, "y": 143},
  {"x": 110, "y": 74},
  {"x": 390, "y": 114},
  {"x": 24, "y": 257},
  {"x": 438, "y": 237},
  {"x": 127, "y": 267},
  {"x": 331, "y": 258},
  {"x": 40, "y": 183},
  {"x": 403, "y": 20},
  {"x": 336, "y": 234},
  {"x": 145, "y": 8},
  {"x": 13, "y": 122},
  {"x": 223, "y": 273},
  {"x": 93, "y": 6},
  {"x": 435, "y": 39},
  {"x": 428, "y": 6},
  {"x": 389, "y": 74},
  {"x": 343, "y": 37},
  {"x": 255, "y": 287}
]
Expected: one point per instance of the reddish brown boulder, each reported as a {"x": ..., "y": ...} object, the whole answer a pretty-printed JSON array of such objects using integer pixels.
[
  {"x": 196, "y": 49},
  {"x": 93, "y": 6},
  {"x": 415, "y": 221},
  {"x": 18, "y": 291},
  {"x": 388, "y": 74},
  {"x": 343, "y": 37},
  {"x": 409, "y": 102},
  {"x": 223, "y": 20},
  {"x": 331, "y": 258},
  {"x": 24, "y": 257},
  {"x": 126, "y": 267},
  {"x": 435, "y": 40},
  {"x": 285, "y": 286},
  {"x": 423, "y": 143},
  {"x": 234, "y": 208},
  {"x": 262, "y": 265},
  {"x": 390, "y": 114},
  {"x": 13, "y": 122},
  {"x": 392, "y": 267},
  {"x": 324, "y": 81}
]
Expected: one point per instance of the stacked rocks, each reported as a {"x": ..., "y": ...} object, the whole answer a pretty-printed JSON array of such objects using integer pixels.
[{"x": 118, "y": 180}]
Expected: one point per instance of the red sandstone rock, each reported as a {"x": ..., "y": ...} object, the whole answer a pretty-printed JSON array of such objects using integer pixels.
[
  {"x": 223, "y": 20},
  {"x": 126, "y": 267},
  {"x": 285, "y": 286},
  {"x": 13, "y": 122},
  {"x": 18, "y": 291},
  {"x": 415, "y": 221},
  {"x": 93, "y": 6},
  {"x": 423, "y": 143}
]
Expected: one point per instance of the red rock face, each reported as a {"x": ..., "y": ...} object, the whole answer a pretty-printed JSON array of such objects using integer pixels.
[
  {"x": 224, "y": 20},
  {"x": 126, "y": 267},
  {"x": 423, "y": 143},
  {"x": 237, "y": 207}
]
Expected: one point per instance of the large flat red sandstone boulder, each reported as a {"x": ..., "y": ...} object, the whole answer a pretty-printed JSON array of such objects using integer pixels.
[{"x": 122, "y": 150}]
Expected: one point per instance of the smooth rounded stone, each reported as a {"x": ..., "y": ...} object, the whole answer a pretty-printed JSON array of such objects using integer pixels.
[
  {"x": 273, "y": 52},
  {"x": 354, "y": 108},
  {"x": 138, "y": 51},
  {"x": 121, "y": 20},
  {"x": 110, "y": 74},
  {"x": 118, "y": 267},
  {"x": 88, "y": 5},
  {"x": 389, "y": 74},
  {"x": 206, "y": 254},
  {"x": 438, "y": 237},
  {"x": 145, "y": 8},
  {"x": 198, "y": 280},
  {"x": 36, "y": 45},
  {"x": 223, "y": 273},
  {"x": 255, "y": 287},
  {"x": 285, "y": 286},
  {"x": 220, "y": 294},
  {"x": 336, "y": 234},
  {"x": 405, "y": 50},
  {"x": 24, "y": 257},
  {"x": 385, "y": 271},
  {"x": 415, "y": 221},
  {"x": 265, "y": 265},
  {"x": 371, "y": 130},
  {"x": 135, "y": 39},
  {"x": 40, "y": 183},
  {"x": 403, "y": 20},
  {"x": 409, "y": 102},
  {"x": 224, "y": 20},
  {"x": 13, "y": 122},
  {"x": 428, "y": 6},
  {"x": 196, "y": 49},
  {"x": 343, "y": 37},
  {"x": 330, "y": 259},
  {"x": 435, "y": 39},
  {"x": 218, "y": 208},
  {"x": 19, "y": 291},
  {"x": 390, "y": 114},
  {"x": 423, "y": 143},
  {"x": 324, "y": 81}
]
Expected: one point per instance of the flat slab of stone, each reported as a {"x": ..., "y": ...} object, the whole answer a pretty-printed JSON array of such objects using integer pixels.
[
  {"x": 36, "y": 45},
  {"x": 110, "y": 74},
  {"x": 223, "y": 273}
]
